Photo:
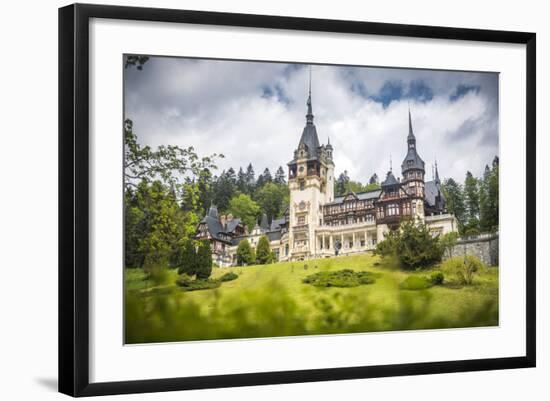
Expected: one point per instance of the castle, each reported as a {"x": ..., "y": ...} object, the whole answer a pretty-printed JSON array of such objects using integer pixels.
[{"x": 318, "y": 224}]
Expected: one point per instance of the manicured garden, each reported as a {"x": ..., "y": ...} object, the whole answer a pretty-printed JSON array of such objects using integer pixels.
[{"x": 360, "y": 293}]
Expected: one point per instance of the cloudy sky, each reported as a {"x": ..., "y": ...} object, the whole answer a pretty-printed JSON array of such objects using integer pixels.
[{"x": 255, "y": 112}]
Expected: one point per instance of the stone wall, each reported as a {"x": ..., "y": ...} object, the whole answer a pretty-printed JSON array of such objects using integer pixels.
[{"x": 484, "y": 246}]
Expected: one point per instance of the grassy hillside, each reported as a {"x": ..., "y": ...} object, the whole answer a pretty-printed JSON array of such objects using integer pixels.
[{"x": 272, "y": 300}]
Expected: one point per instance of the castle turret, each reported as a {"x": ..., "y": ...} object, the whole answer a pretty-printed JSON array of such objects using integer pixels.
[
  {"x": 311, "y": 184},
  {"x": 412, "y": 167}
]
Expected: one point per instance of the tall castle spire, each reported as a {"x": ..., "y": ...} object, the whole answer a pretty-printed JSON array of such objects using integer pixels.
[
  {"x": 309, "y": 139},
  {"x": 411, "y": 138},
  {"x": 309, "y": 115},
  {"x": 412, "y": 160}
]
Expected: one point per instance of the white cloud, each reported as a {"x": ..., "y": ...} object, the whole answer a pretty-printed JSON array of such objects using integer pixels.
[{"x": 254, "y": 112}]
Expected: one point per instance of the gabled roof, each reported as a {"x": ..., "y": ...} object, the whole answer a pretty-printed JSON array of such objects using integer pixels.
[
  {"x": 350, "y": 195},
  {"x": 214, "y": 226},
  {"x": 277, "y": 223},
  {"x": 274, "y": 235},
  {"x": 373, "y": 194},
  {"x": 431, "y": 190},
  {"x": 390, "y": 180}
]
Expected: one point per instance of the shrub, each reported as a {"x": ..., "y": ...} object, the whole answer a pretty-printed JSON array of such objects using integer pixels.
[
  {"x": 415, "y": 283},
  {"x": 158, "y": 274},
  {"x": 437, "y": 278},
  {"x": 228, "y": 277},
  {"x": 245, "y": 253},
  {"x": 447, "y": 242},
  {"x": 463, "y": 268},
  {"x": 340, "y": 278},
  {"x": 263, "y": 251},
  {"x": 188, "y": 284},
  {"x": 412, "y": 245},
  {"x": 184, "y": 280}
]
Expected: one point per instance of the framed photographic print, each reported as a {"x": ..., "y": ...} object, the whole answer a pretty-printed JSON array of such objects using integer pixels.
[{"x": 249, "y": 199}]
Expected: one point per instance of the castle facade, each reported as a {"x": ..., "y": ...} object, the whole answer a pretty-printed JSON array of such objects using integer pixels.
[{"x": 318, "y": 224}]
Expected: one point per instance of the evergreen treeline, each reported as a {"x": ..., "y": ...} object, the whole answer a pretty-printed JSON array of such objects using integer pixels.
[
  {"x": 475, "y": 202},
  {"x": 343, "y": 184},
  {"x": 168, "y": 190},
  {"x": 244, "y": 195}
]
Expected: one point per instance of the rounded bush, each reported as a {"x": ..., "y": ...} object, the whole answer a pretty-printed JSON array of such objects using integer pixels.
[
  {"x": 415, "y": 283},
  {"x": 340, "y": 278},
  {"x": 437, "y": 278},
  {"x": 228, "y": 277}
]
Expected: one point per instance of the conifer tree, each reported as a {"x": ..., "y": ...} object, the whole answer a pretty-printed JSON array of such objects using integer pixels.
[
  {"x": 454, "y": 196},
  {"x": 342, "y": 184},
  {"x": 241, "y": 181},
  {"x": 250, "y": 179},
  {"x": 280, "y": 176},
  {"x": 263, "y": 251},
  {"x": 471, "y": 198},
  {"x": 204, "y": 260},
  {"x": 373, "y": 179},
  {"x": 187, "y": 259},
  {"x": 245, "y": 253}
]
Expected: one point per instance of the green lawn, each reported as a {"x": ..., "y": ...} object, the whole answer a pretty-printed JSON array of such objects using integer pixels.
[{"x": 271, "y": 300}]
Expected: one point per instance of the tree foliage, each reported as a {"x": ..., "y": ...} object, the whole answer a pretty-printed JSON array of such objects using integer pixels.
[
  {"x": 245, "y": 254},
  {"x": 263, "y": 251},
  {"x": 168, "y": 164},
  {"x": 344, "y": 184},
  {"x": 412, "y": 245},
  {"x": 204, "y": 260},
  {"x": 243, "y": 207},
  {"x": 273, "y": 199},
  {"x": 463, "y": 268},
  {"x": 135, "y": 60},
  {"x": 452, "y": 191},
  {"x": 186, "y": 259},
  {"x": 476, "y": 203},
  {"x": 155, "y": 225},
  {"x": 471, "y": 199}
]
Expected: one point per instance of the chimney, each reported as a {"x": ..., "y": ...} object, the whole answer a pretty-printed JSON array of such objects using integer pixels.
[
  {"x": 229, "y": 217},
  {"x": 222, "y": 220}
]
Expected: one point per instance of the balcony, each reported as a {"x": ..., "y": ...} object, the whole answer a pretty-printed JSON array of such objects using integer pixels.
[
  {"x": 300, "y": 227},
  {"x": 345, "y": 227}
]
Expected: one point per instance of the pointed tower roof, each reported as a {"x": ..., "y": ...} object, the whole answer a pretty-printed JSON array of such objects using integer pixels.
[
  {"x": 437, "y": 180},
  {"x": 309, "y": 115},
  {"x": 309, "y": 135},
  {"x": 412, "y": 160},
  {"x": 411, "y": 133}
]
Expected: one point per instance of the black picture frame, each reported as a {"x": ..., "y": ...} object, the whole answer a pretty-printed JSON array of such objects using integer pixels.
[{"x": 74, "y": 198}]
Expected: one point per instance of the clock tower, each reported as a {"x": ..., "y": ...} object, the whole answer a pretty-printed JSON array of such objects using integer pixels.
[{"x": 311, "y": 185}]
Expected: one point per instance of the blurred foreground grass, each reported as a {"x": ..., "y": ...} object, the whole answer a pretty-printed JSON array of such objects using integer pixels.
[{"x": 272, "y": 300}]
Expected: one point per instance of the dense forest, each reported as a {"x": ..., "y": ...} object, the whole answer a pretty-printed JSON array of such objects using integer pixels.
[
  {"x": 475, "y": 202},
  {"x": 168, "y": 190}
]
